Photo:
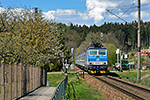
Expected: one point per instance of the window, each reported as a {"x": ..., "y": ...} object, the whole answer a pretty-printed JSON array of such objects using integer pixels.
[
  {"x": 93, "y": 52},
  {"x": 101, "y": 52}
]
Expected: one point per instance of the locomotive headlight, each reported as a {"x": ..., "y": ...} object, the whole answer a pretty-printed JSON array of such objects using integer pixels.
[
  {"x": 91, "y": 63},
  {"x": 105, "y": 63}
]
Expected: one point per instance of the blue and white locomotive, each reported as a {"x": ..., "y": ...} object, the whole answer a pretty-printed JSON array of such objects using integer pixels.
[{"x": 94, "y": 59}]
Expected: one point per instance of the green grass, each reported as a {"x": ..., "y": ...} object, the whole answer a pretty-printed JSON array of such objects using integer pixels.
[
  {"x": 55, "y": 79},
  {"x": 132, "y": 77},
  {"x": 77, "y": 90}
]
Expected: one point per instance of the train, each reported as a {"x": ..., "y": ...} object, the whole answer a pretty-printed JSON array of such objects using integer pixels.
[{"x": 94, "y": 59}]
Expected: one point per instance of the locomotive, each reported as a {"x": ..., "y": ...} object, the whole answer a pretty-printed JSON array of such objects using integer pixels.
[{"x": 94, "y": 59}]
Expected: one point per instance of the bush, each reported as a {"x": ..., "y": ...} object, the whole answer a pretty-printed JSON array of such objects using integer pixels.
[{"x": 57, "y": 66}]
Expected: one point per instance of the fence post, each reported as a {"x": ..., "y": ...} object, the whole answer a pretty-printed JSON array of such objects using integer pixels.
[
  {"x": 10, "y": 82},
  {"x": 15, "y": 80},
  {"x": 2, "y": 80}
]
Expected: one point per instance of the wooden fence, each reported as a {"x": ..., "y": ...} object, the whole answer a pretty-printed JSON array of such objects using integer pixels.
[{"x": 19, "y": 80}]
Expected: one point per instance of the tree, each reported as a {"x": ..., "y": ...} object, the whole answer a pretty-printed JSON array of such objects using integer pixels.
[{"x": 29, "y": 39}]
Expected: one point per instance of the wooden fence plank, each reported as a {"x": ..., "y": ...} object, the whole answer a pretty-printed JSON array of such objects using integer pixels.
[
  {"x": 24, "y": 79},
  {"x": 20, "y": 81},
  {"x": 2, "y": 80},
  {"x": 10, "y": 82},
  {"x": 16, "y": 81}
]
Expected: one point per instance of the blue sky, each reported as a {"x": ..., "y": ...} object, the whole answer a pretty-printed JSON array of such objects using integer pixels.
[{"x": 87, "y": 12}]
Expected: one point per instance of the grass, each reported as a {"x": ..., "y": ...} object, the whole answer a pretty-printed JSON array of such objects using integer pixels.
[
  {"x": 55, "y": 79},
  {"x": 132, "y": 77},
  {"x": 77, "y": 90}
]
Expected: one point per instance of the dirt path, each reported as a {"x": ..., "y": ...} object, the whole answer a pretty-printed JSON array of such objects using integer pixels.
[{"x": 145, "y": 76}]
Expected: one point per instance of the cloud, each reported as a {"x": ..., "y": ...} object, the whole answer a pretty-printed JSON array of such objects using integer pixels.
[
  {"x": 2, "y": 9},
  {"x": 49, "y": 15},
  {"x": 96, "y": 8},
  {"x": 83, "y": 15},
  {"x": 61, "y": 12},
  {"x": 144, "y": 15},
  {"x": 145, "y": 1},
  {"x": 96, "y": 13}
]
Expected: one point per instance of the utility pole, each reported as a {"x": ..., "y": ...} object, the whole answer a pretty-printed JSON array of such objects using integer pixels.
[{"x": 139, "y": 46}]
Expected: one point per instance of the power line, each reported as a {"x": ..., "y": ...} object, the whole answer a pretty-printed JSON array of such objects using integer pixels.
[
  {"x": 128, "y": 9},
  {"x": 117, "y": 8},
  {"x": 120, "y": 18}
]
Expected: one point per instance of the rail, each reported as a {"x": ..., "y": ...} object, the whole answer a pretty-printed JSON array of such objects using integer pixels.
[
  {"x": 60, "y": 90},
  {"x": 124, "y": 89}
]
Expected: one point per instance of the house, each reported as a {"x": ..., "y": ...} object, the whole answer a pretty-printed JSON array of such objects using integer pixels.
[{"x": 144, "y": 52}]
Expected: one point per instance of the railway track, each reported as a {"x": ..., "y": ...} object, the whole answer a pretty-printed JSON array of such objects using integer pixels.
[
  {"x": 136, "y": 92},
  {"x": 131, "y": 90}
]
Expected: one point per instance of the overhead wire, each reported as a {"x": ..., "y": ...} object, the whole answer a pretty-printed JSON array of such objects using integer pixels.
[
  {"x": 113, "y": 9},
  {"x": 119, "y": 4},
  {"x": 127, "y": 9}
]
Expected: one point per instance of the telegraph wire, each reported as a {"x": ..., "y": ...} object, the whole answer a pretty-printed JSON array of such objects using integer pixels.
[
  {"x": 128, "y": 9},
  {"x": 119, "y": 4},
  {"x": 120, "y": 18},
  {"x": 114, "y": 8}
]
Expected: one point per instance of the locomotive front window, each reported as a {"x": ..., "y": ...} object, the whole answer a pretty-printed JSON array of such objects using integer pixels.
[
  {"x": 101, "y": 52},
  {"x": 93, "y": 52}
]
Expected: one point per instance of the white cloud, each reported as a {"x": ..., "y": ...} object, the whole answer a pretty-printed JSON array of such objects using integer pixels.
[
  {"x": 134, "y": 14},
  {"x": 83, "y": 15},
  {"x": 49, "y": 15},
  {"x": 2, "y": 9},
  {"x": 144, "y": 15},
  {"x": 61, "y": 12},
  {"x": 144, "y": 1},
  {"x": 96, "y": 8},
  {"x": 96, "y": 12}
]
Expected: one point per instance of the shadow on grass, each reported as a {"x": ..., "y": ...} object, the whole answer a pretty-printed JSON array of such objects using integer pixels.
[{"x": 113, "y": 74}]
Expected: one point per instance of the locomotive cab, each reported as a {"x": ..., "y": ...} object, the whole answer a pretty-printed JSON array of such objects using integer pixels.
[{"x": 96, "y": 59}]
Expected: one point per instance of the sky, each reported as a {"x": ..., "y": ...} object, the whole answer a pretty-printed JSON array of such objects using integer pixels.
[{"x": 88, "y": 12}]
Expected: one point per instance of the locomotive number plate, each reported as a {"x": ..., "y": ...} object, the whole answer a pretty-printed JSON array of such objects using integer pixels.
[{"x": 98, "y": 63}]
